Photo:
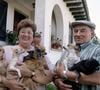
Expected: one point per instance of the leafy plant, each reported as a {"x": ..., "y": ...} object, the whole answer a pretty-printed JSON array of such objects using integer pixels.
[
  {"x": 11, "y": 37},
  {"x": 56, "y": 44},
  {"x": 51, "y": 87}
]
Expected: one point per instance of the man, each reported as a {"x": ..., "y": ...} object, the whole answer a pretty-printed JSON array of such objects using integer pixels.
[{"x": 83, "y": 32}]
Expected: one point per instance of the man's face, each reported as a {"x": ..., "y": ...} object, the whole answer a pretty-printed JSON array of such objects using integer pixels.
[{"x": 82, "y": 34}]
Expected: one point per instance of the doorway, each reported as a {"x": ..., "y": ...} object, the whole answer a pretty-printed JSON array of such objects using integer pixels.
[{"x": 17, "y": 18}]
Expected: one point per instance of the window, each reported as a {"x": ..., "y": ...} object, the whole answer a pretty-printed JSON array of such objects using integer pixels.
[{"x": 3, "y": 15}]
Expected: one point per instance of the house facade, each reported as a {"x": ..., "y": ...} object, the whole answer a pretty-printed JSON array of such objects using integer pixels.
[{"x": 52, "y": 17}]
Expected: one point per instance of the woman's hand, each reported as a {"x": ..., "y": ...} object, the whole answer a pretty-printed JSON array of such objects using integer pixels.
[
  {"x": 12, "y": 84},
  {"x": 25, "y": 72}
]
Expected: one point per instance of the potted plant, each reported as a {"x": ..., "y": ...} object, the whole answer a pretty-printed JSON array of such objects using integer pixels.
[
  {"x": 11, "y": 37},
  {"x": 56, "y": 44}
]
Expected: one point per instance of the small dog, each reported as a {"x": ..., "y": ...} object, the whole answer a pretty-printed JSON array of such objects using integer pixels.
[
  {"x": 12, "y": 66},
  {"x": 87, "y": 66},
  {"x": 35, "y": 62}
]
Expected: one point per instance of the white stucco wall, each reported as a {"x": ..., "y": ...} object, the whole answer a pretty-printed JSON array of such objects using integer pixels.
[{"x": 43, "y": 15}]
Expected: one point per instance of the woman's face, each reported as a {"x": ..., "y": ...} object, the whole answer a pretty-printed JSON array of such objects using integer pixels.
[{"x": 25, "y": 36}]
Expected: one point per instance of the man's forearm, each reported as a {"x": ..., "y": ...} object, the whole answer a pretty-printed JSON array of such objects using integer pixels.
[{"x": 92, "y": 79}]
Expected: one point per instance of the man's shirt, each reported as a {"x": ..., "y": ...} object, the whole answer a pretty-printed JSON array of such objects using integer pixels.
[{"x": 90, "y": 50}]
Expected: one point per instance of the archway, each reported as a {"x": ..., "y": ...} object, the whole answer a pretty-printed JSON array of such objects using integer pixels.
[{"x": 56, "y": 28}]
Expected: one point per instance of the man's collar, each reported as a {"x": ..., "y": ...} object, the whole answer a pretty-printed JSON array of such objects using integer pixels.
[{"x": 83, "y": 46}]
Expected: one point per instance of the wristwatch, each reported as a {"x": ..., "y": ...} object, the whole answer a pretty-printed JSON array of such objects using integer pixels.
[
  {"x": 77, "y": 77},
  {"x": 64, "y": 76}
]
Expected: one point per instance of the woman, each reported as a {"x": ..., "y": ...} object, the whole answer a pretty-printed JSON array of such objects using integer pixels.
[{"x": 26, "y": 30}]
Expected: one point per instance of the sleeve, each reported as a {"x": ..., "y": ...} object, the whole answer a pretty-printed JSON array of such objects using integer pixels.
[
  {"x": 7, "y": 53},
  {"x": 97, "y": 56}
]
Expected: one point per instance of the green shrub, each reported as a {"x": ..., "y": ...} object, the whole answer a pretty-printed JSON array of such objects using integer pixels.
[
  {"x": 11, "y": 37},
  {"x": 51, "y": 87}
]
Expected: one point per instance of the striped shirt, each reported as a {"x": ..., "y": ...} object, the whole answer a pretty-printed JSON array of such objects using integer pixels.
[{"x": 88, "y": 51}]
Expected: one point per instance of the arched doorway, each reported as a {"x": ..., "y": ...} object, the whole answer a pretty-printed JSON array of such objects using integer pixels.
[{"x": 56, "y": 28}]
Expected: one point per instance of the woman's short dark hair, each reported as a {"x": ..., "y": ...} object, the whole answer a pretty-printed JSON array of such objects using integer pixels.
[{"x": 26, "y": 23}]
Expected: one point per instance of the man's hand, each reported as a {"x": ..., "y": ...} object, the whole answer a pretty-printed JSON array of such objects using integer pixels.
[
  {"x": 61, "y": 86},
  {"x": 59, "y": 69},
  {"x": 12, "y": 84}
]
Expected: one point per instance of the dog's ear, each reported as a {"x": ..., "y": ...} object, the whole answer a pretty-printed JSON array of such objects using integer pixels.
[
  {"x": 79, "y": 67},
  {"x": 30, "y": 56},
  {"x": 91, "y": 65},
  {"x": 31, "y": 53}
]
